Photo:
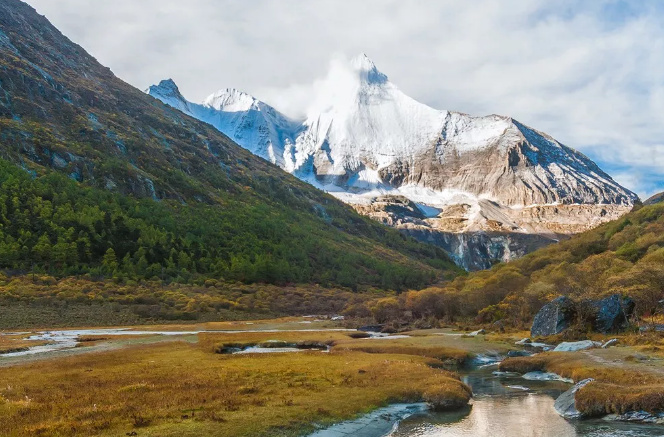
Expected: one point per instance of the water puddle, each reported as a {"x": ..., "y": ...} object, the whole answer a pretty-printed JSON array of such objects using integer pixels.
[{"x": 59, "y": 340}]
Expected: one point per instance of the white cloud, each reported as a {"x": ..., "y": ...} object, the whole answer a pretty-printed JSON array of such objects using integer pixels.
[{"x": 588, "y": 73}]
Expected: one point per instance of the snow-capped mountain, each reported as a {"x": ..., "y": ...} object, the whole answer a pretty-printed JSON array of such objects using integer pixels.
[
  {"x": 364, "y": 139},
  {"x": 251, "y": 123}
]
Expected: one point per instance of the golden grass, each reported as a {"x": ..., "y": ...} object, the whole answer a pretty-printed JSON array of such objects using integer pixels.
[
  {"x": 179, "y": 389},
  {"x": 451, "y": 349},
  {"x": 618, "y": 387},
  {"x": 455, "y": 357}
]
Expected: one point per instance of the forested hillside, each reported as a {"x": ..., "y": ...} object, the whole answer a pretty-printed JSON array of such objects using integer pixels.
[
  {"x": 624, "y": 256},
  {"x": 101, "y": 180}
]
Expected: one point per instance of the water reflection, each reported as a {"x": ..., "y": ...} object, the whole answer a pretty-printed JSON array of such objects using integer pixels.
[{"x": 499, "y": 410}]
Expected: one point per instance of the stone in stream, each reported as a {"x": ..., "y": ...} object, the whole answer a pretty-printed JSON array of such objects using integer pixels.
[
  {"x": 573, "y": 346},
  {"x": 565, "y": 405},
  {"x": 544, "y": 376},
  {"x": 554, "y": 317}
]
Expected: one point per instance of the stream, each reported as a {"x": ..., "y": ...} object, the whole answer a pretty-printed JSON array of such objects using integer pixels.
[
  {"x": 502, "y": 406},
  {"x": 511, "y": 406},
  {"x": 61, "y": 340}
]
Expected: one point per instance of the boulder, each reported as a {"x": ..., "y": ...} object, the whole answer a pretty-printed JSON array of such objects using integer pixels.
[
  {"x": 573, "y": 346},
  {"x": 565, "y": 404},
  {"x": 554, "y": 317},
  {"x": 612, "y": 313}
]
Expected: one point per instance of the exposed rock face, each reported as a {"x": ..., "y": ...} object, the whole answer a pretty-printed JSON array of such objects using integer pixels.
[
  {"x": 612, "y": 313},
  {"x": 554, "y": 317},
  {"x": 498, "y": 233},
  {"x": 370, "y": 145}
]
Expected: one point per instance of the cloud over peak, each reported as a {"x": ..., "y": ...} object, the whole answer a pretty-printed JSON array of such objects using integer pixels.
[{"x": 588, "y": 73}]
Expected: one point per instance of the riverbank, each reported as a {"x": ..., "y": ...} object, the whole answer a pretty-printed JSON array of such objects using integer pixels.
[
  {"x": 624, "y": 380},
  {"x": 207, "y": 379},
  {"x": 175, "y": 388}
]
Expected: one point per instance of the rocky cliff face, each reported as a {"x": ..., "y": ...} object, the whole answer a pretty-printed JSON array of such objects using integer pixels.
[{"x": 485, "y": 188}]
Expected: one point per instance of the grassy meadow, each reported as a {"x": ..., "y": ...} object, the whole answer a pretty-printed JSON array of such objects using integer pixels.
[{"x": 176, "y": 388}]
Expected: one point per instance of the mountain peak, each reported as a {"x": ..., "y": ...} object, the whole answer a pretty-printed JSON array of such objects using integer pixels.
[
  {"x": 168, "y": 84},
  {"x": 166, "y": 87},
  {"x": 367, "y": 70},
  {"x": 231, "y": 100},
  {"x": 168, "y": 92}
]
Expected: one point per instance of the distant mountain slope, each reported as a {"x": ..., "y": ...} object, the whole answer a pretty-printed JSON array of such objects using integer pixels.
[
  {"x": 209, "y": 208},
  {"x": 625, "y": 256},
  {"x": 657, "y": 198},
  {"x": 505, "y": 186}
]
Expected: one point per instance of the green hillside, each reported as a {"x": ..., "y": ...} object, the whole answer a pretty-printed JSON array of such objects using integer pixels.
[{"x": 99, "y": 179}]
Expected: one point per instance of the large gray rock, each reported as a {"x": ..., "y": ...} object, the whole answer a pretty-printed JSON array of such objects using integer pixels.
[
  {"x": 554, "y": 317},
  {"x": 612, "y": 313},
  {"x": 565, "y": 405},
  {"x": 574, "y": 346}
]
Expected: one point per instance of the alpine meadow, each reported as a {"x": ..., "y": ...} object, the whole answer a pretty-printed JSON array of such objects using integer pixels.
[{"x": 340, "y": 258}]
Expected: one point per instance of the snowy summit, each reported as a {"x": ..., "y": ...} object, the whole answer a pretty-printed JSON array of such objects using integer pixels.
[{"x": 363, "y": 139}]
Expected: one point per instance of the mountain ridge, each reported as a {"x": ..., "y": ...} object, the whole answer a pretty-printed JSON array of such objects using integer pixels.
[{"x": 364, "y": 139}]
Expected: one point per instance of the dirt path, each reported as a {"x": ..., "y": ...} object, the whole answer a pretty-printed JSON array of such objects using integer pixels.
[{"x": 620, "y": 357}]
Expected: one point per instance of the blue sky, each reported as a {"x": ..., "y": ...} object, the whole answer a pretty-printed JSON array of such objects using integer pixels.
[{"x": 589, "y": 73}]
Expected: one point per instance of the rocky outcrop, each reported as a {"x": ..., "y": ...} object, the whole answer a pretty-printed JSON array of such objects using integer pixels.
[
  {"x": 478, "y": 238},
  {"x": 554, "y": 317}
]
